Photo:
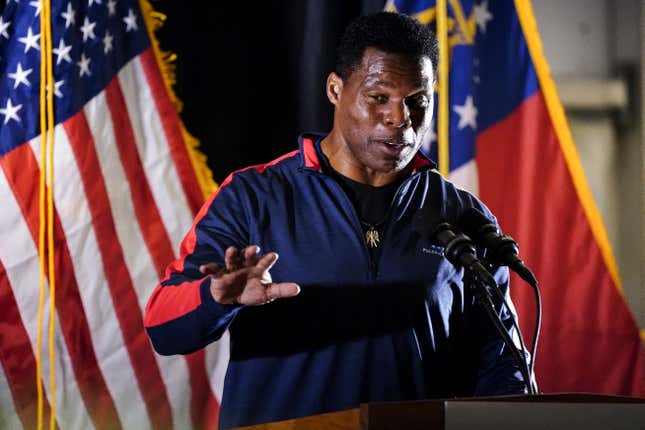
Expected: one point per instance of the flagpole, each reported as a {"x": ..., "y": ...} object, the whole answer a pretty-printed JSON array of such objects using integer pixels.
[
  {"x": 41, "y": 224},
  {"x": 46, "y": 216},
  {"x": 444, "y": 82},
  {"x": 47, "y": 57}
]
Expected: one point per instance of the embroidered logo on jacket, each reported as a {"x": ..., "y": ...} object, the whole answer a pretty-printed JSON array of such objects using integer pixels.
[{"x": 434, "y": 250}]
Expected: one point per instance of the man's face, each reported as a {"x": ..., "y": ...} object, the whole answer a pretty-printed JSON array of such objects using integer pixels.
[{"x": 383, "y": 110}]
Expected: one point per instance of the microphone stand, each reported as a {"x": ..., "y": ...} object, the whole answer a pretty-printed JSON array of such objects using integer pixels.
[
  {"x": 483, "y": 298},
  {"x": 458, "y": 249},
  {"x": 533, "y": 283},
  {"x": 503, "y": 251}
]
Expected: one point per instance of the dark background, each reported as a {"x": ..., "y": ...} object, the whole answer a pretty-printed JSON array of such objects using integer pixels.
[{"x": 252, "y": 75}]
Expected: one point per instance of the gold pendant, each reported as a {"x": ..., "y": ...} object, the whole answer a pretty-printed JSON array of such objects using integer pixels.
[{"x": 371, "y": 237}]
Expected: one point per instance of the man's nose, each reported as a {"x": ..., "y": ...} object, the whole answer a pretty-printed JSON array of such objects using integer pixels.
[{"x": 398, "y": 116}]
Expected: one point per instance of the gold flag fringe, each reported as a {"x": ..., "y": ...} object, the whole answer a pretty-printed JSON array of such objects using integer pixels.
[{"x": 166, "y": 61}]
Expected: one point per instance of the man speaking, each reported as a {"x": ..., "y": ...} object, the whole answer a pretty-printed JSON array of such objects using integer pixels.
[{"x": 360, "y": 307}]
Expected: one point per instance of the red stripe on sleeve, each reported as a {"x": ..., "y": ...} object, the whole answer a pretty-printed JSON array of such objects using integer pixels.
[
  {"x": 168, "y": 303},
  {"x": 171, "y": 302},
  {"x": 18, "y": 359},
  {"x": 118, "y": 279},
  {"x": 22, "y": 172}
]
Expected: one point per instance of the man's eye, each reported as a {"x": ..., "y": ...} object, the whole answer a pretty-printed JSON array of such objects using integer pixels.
[
  {"x": 418, "y": 102},
  {"x": 380, "y": 98}
]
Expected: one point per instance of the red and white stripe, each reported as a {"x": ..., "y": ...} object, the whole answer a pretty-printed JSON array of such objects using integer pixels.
[
  {"x": 19, "y": 256},
  {"x": 125, "y": 195}
]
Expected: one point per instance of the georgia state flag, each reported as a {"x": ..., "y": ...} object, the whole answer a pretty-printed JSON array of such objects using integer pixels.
[{"x": 509, "y": 143}]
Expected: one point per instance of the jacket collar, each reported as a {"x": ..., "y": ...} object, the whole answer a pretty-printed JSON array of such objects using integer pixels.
[{"x": 310, "y": 156}]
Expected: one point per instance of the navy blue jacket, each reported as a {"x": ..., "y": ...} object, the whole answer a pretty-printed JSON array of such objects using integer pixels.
[{"x": 401, "y": 328}]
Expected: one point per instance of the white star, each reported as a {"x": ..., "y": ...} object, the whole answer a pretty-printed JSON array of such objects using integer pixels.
[
  {"x": 10, "y": 112},
  {"x": 130, "y": 21},
  {"x": 107, "y": 42},
  {"x": 62, "y": 51},
  {"x": 57, "y": 86},
  {"x": 93, "y": 1},
  {"x": 111, "y": 5},
  {"x": 20, "y": 76},
  {"x": 482, "y": 15},
  {"x": 3, "y": 28},
  {"x": 84, "y": 64},
  {"x": 88, "y": 29},
  {"x": 69, "y": 15},
  {"x": 37, "y": 5},
  {"x": 30, "y": 40},
  {"x": 467, "y": 114}
]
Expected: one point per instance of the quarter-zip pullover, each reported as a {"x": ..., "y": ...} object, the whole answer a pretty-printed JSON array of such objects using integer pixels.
[{"x": 404, "y": 327}]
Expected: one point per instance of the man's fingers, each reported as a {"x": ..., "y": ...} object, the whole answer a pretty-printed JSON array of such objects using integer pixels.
[
  {"x": 209, "y": 268},
  {"x": 281, "y": 290},
  {"x": 246, "y": 279},
  {"x": 251, "y": 255},
  {"x": 233, "y": 259},
  {"x": 267, "y": 261},
  {"x": 227, "y": 287},
  {"x": 228, "y": 257}
]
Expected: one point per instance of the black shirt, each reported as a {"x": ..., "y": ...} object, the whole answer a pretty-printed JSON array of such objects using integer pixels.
[{"x": 372, "y": 204}]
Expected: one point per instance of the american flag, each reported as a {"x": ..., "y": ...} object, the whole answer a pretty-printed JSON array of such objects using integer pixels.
[{"x": 126, "y": 187}]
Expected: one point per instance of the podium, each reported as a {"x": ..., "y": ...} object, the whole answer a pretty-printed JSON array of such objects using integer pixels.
[{"x": 547, "y": 411}]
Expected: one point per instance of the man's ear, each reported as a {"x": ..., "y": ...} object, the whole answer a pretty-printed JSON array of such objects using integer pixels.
[{"x": 334, "y": 88}]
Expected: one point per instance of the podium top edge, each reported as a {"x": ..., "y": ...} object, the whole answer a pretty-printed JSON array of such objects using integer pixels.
[{"x": 542, "y": 398}]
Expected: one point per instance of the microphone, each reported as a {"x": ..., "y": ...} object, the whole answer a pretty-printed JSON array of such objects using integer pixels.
[
  {"x": 460, "y": 251},
  {"x": 458, "y": 248},
  {"x": 502, "y": 250}
]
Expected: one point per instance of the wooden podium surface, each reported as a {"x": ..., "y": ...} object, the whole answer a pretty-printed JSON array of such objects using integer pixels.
[{"x": 547, "y": 411}]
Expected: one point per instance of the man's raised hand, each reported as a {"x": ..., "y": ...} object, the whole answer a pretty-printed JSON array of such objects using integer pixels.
[{"x": 246, "y": 279}]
